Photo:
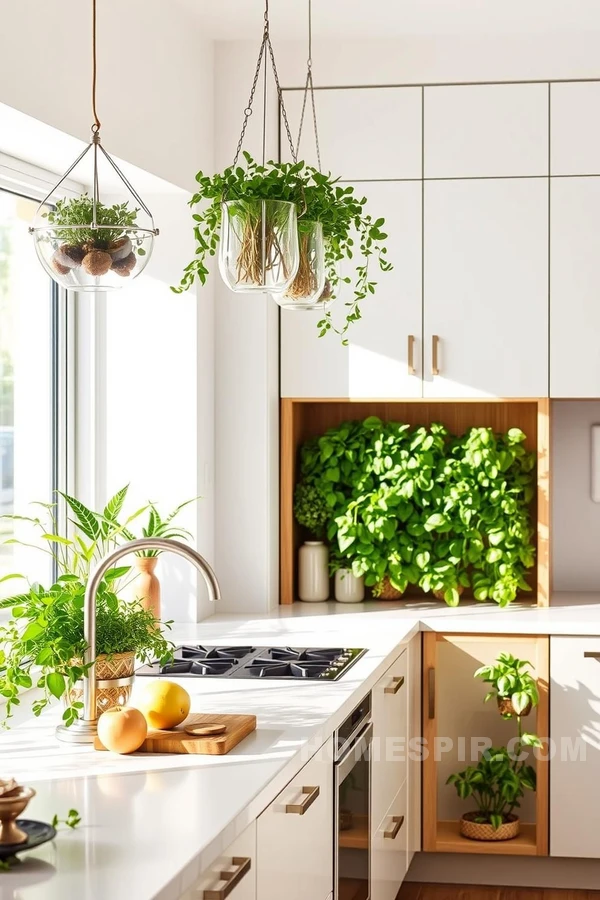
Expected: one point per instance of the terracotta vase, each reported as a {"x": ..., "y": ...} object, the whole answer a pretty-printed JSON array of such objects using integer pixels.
[{"x": 146, "y": 586}]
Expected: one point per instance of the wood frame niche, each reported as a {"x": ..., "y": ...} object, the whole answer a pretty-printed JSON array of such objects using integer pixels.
[{"x": 302, "y": 419}]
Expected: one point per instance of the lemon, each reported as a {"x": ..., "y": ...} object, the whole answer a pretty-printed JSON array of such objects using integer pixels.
[{"x": 164, "y": 704}]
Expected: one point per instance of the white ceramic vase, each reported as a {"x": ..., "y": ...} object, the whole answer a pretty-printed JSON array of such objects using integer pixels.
[
  {"x": 313, "y": 572},
  {"x": 348, "y": 588}
]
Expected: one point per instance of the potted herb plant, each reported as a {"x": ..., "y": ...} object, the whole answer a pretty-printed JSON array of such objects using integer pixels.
[
  {"x": 258, "y": 245},
  {"x": 45, "y": 631},
  {"x": 79, "y": 250},
  {"x": 513, "y": 686}
]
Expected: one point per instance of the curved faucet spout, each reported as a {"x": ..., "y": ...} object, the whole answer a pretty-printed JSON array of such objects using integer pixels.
[{"x": 84, "y": 730}]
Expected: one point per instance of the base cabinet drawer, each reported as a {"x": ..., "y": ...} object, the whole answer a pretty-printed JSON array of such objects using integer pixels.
[
  {"x": 390, "y": 735},
  {"x": 295, "y": 835},
  {"x": 232, "y": 875},
  {"x": 389, "y": 854}
]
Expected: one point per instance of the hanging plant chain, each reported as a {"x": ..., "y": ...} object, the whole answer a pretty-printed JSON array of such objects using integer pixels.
[
  {"x": 97, "y": 124},
  {"x": 265, "y": 44},
  {"x": 309, "y": 86}
]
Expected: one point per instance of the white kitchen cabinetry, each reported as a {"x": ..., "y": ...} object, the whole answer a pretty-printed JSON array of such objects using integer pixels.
[
  {"x": 295, "y": 835},
  {"x": 415, "y": 732},
  {"x": 389, "y": 849},
  {"x": 383, "y": 357},
  {"x": 486, "y": 130},
  {"x": 390, "y": 733},
  {"x": 575, "y": 732},
  {"x": 364, "y": 133},
  {"x": 232, "y": 875},
  {"x": 486, "y": 288},
  {"x": 575, "y": 280},
  {"x": 575, "y": 130}
]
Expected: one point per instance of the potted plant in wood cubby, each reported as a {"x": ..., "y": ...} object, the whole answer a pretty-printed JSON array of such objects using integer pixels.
[
  {"x": 505, "y": 778},
  {"x": 499, "y": 780},
  {"x": 502, "y": 445}
]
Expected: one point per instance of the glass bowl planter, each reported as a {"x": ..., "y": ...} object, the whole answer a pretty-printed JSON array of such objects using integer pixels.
[
  {"x": 306, "y": 289},
  {"x": 258, "y": 250},
  {"x": 84, "y": 258}
]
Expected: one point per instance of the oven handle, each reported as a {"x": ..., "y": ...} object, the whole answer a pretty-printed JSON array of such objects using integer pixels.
[{"x": 346, "y": 763}]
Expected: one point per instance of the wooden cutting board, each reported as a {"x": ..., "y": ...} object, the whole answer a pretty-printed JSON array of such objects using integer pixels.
[{"x": 237, "y": 727}]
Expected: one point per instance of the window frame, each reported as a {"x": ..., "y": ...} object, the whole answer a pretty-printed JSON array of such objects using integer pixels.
[{"x": 33, "y": 183}]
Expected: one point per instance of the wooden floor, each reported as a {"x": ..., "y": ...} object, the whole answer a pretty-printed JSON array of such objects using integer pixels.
[{"x": 414, "y": 891}]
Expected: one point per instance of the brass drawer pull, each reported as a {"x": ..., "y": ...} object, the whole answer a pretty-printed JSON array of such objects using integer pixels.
[
  {"x": 395, "y": 686},
  {"x": 300, "y": 808},
  {"x": 242, "y": 864},
  {"x": 411, "y": 355},
  {"x": 398, "y": 822},
  {"x": 592, "y": 654},
  {"x": 435, "y": 363},
  {"x": 431, "y": 693}
]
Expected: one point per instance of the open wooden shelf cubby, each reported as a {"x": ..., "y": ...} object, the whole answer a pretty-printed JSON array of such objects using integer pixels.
[
  {"x": 302, "y": 419},
  {"x": 454, "y": 714}
]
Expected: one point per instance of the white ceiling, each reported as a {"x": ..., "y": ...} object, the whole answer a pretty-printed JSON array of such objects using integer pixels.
[{"x": 239, "y": 19}]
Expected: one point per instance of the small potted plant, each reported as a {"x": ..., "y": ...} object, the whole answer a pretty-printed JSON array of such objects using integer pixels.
[
  {"x": 45, "y": 632},
  {"x": 496, "y": 785},
  {"x": 81, "y": 253},
  {"x": 513, "y": 686},
  {"x": 251, "y": 216}
]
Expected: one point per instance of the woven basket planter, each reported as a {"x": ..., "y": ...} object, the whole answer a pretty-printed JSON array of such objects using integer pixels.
[
  {"x": 481, "y": 831},
  {"x": 506, "y": 708},
  {"x": 385, "y": 591},
  {"x": 114, "y": 681}
]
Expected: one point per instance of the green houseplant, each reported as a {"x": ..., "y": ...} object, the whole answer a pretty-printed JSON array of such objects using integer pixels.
[
  {"x": 107, "y": 247},
  {"x": 513, "y": 686},
  {"x": 46, "y": 627},
  {"x": 418, "y": 506},
  {"x": 318, "y": 198}
]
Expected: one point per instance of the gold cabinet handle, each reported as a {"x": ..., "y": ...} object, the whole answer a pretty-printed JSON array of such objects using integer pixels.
[
  {"x": 411, "y": 355},
  {"x": 398, "y": 822},
  {"x": 242, "y": 864},
  {"x": 431, "y": 693},
  {"x": 435, "y": 363},
  {"x": 395, "y": 686},
  {"x": 591, "y": 654},
  {"x": 300, "y": 808}
]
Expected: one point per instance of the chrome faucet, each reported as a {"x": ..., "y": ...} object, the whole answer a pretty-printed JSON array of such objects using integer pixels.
[{"x": 84, "y": 730}]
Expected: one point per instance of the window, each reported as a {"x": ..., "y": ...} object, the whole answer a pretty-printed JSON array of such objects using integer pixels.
[{"x": 32, "y": 319}]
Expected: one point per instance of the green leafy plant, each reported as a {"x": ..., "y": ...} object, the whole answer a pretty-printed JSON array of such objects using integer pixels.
[
  {"x": 80, "y": 211},
  {"x": 510, "y": 678},
  {"x": 72, "y": 820},
  {"x": 318, "y": 197},
  {"x": 421, "y": 507},
  {"x": 496, "y": 784},
  {"x": 310, "y": 508}
]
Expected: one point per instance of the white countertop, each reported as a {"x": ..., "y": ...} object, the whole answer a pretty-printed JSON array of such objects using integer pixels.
[{"x": 152, "y": 823}]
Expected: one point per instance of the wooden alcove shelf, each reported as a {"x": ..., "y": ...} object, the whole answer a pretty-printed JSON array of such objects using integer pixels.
[
  {"x": 449, "y": 840},
  {"x": 302, "y": 419}
]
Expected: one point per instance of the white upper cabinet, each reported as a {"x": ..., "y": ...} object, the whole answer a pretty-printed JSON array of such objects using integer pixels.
[
  {"x": 486, "y": 288},
  {"x": 364, "y": 133},
  {"x": 383, "y": 344},
  {"x": 486, "y": 130},
  {"x": 575, "y": 128},
  {"x": 575, "y": 288}
]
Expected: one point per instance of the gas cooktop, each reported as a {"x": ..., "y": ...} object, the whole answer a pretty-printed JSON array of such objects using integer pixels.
[{"x": 310, "y": 664}]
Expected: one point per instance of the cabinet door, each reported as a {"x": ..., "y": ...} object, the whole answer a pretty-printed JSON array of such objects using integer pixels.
[
  {"x": 390, "y": 732},
  {"x": 389, "y": 862},
  {"x": 486, "y": 288},
  {"x": 233, "y": 872},
  {"x": 415, "y": 731},
  {"x": 486, "y": 130},
  {"x": 574, "y": 285},
  {"x": 295, "y": 835},
  {"x": 575, "y": 768},
  {"x": 376, "y": 361},
  {"x": 575, "y": 130},
  {"x": 364, "y": 133}
]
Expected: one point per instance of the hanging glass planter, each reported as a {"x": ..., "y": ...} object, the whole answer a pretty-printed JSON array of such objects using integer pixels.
[
  {"x": 258, "y": 250},
  {"x": 83, "y": 243},
  {"x": 306, "y": 290}
]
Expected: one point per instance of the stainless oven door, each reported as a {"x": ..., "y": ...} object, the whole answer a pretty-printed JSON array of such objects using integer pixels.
[{"x": 352, "y": 862}]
